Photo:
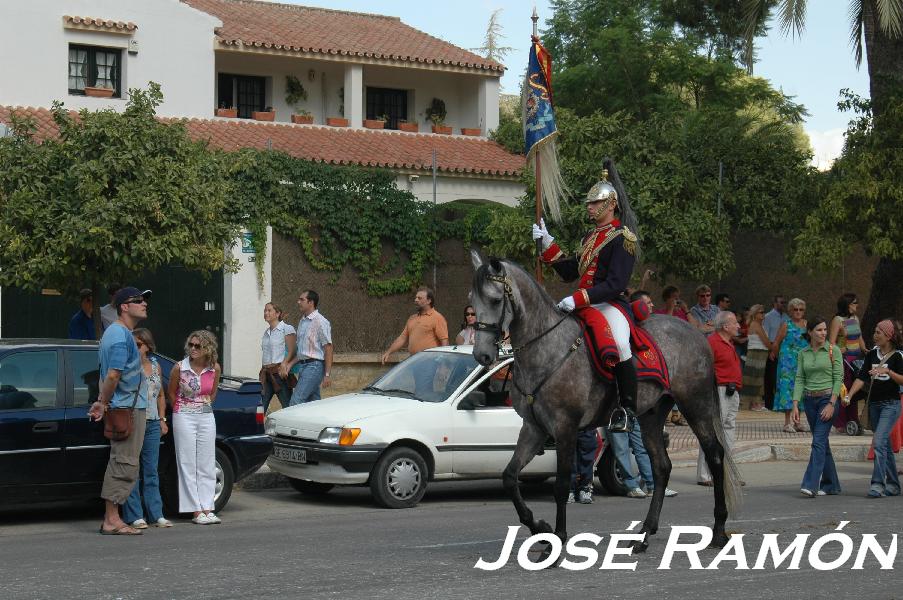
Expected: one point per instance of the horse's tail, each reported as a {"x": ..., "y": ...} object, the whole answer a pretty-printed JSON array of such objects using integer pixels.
[{"x": 733, "y": 494}]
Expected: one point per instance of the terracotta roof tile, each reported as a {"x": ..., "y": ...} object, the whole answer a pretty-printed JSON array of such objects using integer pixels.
[
  {"x": 335, "y": 145},
  {"x": 104, "y": 24},
  {"x": 325, "y": 31}
]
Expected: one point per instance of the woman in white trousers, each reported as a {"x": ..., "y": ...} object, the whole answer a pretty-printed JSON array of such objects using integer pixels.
[{"x": 192, "y": 385}]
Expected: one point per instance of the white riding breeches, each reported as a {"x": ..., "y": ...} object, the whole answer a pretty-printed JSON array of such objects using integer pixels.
[{"x": 620, "y": 328}]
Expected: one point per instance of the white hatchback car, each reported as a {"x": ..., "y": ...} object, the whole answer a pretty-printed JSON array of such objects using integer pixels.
[{"x": 438, "y": 415}]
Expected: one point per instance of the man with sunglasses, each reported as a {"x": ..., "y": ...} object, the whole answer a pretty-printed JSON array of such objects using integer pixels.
[
  {"x": 121, "y": 387},
  {"x": 704, "y": 311}
]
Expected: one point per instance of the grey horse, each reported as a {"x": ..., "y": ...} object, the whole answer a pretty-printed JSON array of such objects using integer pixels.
[{"x": 556, "y": 392}]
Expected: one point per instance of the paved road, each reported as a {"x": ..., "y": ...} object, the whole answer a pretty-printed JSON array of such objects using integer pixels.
[{"x": 280, "y": 544}]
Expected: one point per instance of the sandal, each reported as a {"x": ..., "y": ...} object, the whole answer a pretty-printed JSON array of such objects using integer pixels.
[
  {"x": 789, "y": 429},
  {"x": 124, "y": 530}
]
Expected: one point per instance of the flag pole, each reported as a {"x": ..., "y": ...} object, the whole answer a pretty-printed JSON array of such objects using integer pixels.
[{"x": 537, "y": 173}]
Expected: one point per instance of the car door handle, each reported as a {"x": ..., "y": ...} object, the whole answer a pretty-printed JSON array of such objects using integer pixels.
[{"x": 46, "y": 427}]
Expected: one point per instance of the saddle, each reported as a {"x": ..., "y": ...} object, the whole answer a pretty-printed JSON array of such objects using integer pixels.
[{"x": 648, "y": 358}]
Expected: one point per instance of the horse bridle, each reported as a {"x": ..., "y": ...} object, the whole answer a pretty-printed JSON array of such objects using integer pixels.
[{"x": 496, "y": 328}]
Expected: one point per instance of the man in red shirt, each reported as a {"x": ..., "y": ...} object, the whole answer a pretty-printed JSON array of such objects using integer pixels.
[{"x": 729, "y": 377}]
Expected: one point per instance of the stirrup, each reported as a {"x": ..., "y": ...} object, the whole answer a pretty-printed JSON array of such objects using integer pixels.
[{"x": 621, "y": 420}]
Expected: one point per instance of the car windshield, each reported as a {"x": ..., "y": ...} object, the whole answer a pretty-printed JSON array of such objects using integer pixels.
[{"x": 426, "y": 376}]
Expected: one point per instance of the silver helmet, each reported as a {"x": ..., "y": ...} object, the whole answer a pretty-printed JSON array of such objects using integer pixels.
[{"x": 603, "y": 190}]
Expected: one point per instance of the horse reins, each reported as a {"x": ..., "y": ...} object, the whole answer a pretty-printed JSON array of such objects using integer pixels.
[{"x": 496, "y": 328}]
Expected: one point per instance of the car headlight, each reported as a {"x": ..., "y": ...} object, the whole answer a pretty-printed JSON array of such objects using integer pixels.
[
  {"x": 269, "y": 427},
  {"x": 343, "y": 436}
]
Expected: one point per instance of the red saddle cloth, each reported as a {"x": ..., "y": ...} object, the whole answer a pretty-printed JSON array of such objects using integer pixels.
[{"x": 648, "y": 358}]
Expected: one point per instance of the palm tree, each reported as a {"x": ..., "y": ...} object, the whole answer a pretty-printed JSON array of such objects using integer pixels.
[{"x": 876, "y": 26}]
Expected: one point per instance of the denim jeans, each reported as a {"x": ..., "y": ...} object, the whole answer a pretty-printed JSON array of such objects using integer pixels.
[
  {"x": 148, "y": 484},
  {"x": 883, "y": 416},
  {"x": 584, "y": 455},
  {"x": 309, "y": 378},
  {"x": 284, "y": 394},
  {"x": 622, "y": 443},
  {"x": 821, "y": 473}
]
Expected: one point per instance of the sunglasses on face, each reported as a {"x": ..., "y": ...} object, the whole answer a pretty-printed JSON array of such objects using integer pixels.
[
  {"x": 136, "y": 301},
  {"x": 704, "y": 295},
  {"x": 194, "y": 346},
  {"x": 470, "y": 314}
]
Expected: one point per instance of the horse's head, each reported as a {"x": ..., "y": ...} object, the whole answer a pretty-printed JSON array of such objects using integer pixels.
[{"x": 491, "y": 297}]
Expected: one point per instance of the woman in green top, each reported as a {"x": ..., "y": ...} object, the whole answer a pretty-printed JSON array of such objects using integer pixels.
[{"x": 819, "y": 373}]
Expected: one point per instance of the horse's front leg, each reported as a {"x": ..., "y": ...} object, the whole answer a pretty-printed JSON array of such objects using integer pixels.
[
  {"x": 565, "y": 446},
  {"x": 529, "y": 443}
]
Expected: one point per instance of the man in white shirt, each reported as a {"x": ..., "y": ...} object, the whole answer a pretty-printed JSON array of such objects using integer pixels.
[{"x": 312, "y": 359}]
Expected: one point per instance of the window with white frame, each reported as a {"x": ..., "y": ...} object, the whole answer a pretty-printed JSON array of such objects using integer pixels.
[{"x": 94, "y": 66}]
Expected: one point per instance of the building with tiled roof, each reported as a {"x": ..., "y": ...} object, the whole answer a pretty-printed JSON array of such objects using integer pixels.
[{"x": 240, "y": 73}]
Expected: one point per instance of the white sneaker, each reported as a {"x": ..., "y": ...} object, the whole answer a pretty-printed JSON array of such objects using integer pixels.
[
  {"x": 585, "y": 496},
  {"x": 571, "y": 498},
  {"x": 636, "y": 493},
  {"x": 138, "y": 524},
  {"x": 162, "y": 522},
  {"x": 212, "y": 519},
  {"x": 201, "y": 519},
  {"x": 669, "y": 493}
]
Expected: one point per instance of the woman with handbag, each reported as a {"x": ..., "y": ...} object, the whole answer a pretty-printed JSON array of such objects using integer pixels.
[
  {"x": 277, "y": 343},
  {"x": 146, "y": 493},
  {"x": 883, "y": 365},
  {"x": 819, "y": 375},
  {"x": 192, "y": 384}
]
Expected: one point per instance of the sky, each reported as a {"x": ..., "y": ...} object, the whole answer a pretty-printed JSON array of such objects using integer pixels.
[{"x": 812, "y": 68}]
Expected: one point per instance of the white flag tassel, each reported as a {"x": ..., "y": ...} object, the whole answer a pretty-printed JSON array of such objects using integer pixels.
[{"x": 552, "y": 185}]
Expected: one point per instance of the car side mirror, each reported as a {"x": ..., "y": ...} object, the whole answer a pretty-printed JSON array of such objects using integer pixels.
[{"x": 475, "y": 399}]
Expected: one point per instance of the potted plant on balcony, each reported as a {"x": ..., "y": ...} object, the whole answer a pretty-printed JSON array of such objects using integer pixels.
[
  {"x": 99, "y": 92},
  {"x": 403, "y": 125},
  {"x": 294, "y": 94},
  {"x": 436, "y": 114},
  {"x": 377, "y": 123},
  {"x": 339, "y": 121},
  {"x": 471, "y": 131},
  {"x": 302, "y": 117},
  {"x": 229, "y": 112},
  {"x": 264, "y": 115}
]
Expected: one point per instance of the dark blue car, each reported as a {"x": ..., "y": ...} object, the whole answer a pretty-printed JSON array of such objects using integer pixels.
[{"x": 50, "y": 451}]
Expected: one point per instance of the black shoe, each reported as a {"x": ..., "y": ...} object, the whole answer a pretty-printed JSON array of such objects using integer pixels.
[{"x": 621, "y": 420}]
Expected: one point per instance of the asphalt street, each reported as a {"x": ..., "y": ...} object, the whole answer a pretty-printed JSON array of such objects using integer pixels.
[{"x": 281, "y": 544}]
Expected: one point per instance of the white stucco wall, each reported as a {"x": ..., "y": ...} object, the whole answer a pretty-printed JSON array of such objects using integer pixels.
[
  {"x": 243, "y": 302},
  {"x": 449, "y": 189},
  {"x": 175, "y": 49}
]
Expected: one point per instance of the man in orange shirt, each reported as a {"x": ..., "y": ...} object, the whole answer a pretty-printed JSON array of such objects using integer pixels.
[{"x": 425, "y": 329}]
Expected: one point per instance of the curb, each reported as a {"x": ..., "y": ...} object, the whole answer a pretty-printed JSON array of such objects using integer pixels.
[{"x": 744, "y": 452}]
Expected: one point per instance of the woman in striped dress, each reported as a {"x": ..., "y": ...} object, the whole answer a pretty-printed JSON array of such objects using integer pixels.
[
  {"x": 756, "y": 356},
  {"x": 846, "y": 333}
]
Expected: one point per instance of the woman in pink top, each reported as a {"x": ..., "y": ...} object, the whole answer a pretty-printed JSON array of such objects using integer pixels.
[{"x": 192, "y": 385}]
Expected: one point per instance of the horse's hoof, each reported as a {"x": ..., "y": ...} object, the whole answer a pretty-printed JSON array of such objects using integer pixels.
[
  {"x": 640, "y": 547},
  {"x": 719, "y": 541},
  {"x": 542, "y": 527}
]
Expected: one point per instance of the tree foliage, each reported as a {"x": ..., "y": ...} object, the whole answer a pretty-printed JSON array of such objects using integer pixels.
[{"x": 115, "y": 194}]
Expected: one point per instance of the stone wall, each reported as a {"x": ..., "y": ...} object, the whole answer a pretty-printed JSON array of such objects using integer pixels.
[{"x": 363, "y": 324}]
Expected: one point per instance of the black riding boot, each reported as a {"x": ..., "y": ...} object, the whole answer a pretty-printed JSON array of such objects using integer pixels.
[{"x": 623, "y": 416}]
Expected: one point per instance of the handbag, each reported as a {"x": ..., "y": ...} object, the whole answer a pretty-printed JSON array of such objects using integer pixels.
[{"x": 117, "y": 422}]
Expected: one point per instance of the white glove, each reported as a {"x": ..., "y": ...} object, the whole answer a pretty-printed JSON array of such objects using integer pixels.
[
  {"x": 541, "y": 233},
  {"x": 567, "y": 304}
]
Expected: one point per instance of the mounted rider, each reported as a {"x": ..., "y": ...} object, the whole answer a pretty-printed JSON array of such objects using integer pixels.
[{"x": 604, "y": 266}]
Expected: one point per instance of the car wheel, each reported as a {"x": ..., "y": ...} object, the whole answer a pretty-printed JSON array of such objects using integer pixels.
[
  {"x": 309, "y": 487},
  {"x": 225, "y": 478},
  {"x": 399, "y": 478},
  {"x": 610, "y": 474}
]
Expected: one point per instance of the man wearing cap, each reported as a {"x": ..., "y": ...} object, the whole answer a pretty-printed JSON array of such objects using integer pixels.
[
  {"x": 603, "y": 267},
  {"x": 81, "y": 325},
  {"x": 121, "y": 387}
]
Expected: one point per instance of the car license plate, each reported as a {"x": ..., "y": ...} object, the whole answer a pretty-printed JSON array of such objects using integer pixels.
[{"x": 297, "y": 455}]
